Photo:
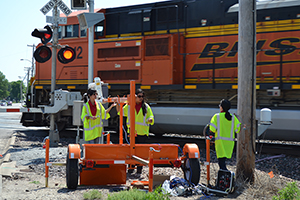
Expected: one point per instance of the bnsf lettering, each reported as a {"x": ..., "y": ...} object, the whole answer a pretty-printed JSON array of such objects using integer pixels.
[
  {"x": 279, "y": 44},
  {"x": 233, "y": 50},
  {"x": 219, "y": 49},
  {"x": 213, "y": 50},
  {"x": 259, "y": 45}
]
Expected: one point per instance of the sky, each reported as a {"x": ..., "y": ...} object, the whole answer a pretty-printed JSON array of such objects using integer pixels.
[{"x": 18, "y": 19}]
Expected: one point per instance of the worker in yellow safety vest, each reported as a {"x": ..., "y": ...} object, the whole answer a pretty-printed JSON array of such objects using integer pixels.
[
  {"x": 92, "y": 114},
  {"x": 143, "y": 119},
  {"x": 224, "y": 125}
]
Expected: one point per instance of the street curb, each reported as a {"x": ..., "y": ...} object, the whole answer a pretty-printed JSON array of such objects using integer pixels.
[{"x": 9, "y": 145}]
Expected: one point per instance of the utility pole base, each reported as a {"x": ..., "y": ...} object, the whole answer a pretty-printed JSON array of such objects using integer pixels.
[{"x": 54, "y": 138}]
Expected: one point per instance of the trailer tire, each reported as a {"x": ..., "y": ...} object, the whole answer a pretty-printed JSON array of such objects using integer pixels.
[
  {"x": 72, "y": 173},
  {"x": 191, "y": 170}
]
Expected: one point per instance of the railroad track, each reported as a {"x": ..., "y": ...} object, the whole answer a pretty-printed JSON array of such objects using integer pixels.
[{"x": 261, "y": 147}]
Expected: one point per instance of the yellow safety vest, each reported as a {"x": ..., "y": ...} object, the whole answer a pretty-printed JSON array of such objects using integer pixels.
[
  {"x": 224, "y": 133},
  {"x": 93, "y": 128},
  {"x": 141, "y": 122}
]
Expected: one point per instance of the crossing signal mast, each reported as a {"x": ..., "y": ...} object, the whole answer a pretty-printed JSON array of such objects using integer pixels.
[{"x": 42, "y": 54}]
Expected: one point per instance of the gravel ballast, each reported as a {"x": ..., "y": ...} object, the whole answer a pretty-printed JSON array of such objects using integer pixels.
[{"x": 28, "y": 182}]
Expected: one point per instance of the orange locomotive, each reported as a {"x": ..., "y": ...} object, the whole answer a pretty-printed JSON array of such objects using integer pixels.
[{"x": 178, "y": 49}]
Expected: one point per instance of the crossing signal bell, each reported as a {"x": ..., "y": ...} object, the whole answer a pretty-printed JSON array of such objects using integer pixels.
[{"x": 66, "y": 55}]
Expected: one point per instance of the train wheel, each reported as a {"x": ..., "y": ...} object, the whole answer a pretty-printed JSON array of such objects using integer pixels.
[
  {"x": 191, "y": 170},
  {"x": 72, "y": 172}
]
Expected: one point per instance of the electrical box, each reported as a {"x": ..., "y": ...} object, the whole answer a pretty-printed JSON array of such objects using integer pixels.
[
  {"x": 72, "y": 96},
  {"x": 77, "y": 108},
  {"x": 225, "y": 181},
  {"x": 273, "y": 92},
  {"x": 78, "y": 4}
]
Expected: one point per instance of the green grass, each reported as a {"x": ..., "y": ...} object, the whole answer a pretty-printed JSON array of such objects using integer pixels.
[
  {"x": 289, "y": 192},
  {"x": 136, "y": 194},
  {"x": 35, "y": 182},
  {"x": 92, "y": 195}
]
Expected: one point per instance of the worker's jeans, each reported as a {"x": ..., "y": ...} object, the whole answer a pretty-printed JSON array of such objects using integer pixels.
[{"x": 222, "y": 163}]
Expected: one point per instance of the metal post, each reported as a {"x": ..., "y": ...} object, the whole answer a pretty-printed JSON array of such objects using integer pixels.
[
  {"x": 132, "y": 117},
  {"x": 53, "y": 134},
  {"x": 150, "y": 165},
  {"x": 108, "y": 138},
  {"x": 280, "y": 70},
  {"x": 32, "y": 59},
  {"x": 21, "y": 90},
  {"x": 121, "y": 123},
  {"x": 31, "y": 99},
  {"x": 91, "y": 46},
  {"x": 246, "y": 90},
  {"x": 46, "y": 162},
  {"x": 208, "y": 161},
  {"x": 28, "y": 70}
]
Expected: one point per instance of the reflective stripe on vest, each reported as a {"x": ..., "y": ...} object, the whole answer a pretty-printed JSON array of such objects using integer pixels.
[
  {"x": 138, "y": 123},
  {"x": 88, "y": 115},
  {"x": 231, "y": 131}
]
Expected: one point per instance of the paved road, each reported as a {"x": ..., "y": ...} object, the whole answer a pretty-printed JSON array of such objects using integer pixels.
[{"x": 9, "y": 124}]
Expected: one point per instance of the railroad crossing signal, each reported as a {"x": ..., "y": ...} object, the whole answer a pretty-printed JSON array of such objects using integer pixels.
[
  {"x": 43, "y": 53},
  {"x": 60, "y": 4},
  {"x": 66, "y": 55},
  {"x": 44, "y": 34}
]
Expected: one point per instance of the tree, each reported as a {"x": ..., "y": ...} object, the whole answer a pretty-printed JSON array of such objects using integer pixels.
[
  {"x": 3, "y": 86},
  {"x": 15, "y": 90}
]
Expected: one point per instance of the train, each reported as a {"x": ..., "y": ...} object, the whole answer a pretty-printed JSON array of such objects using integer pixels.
[{"x": 183, "y": 54}]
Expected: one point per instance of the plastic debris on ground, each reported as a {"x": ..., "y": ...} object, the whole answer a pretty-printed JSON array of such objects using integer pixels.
[{"x": 179, "y": 187}]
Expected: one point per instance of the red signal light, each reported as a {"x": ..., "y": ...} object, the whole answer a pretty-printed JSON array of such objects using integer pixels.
[
  {"x": 44, "y": 34},
  {"x": 47, "y": 36},
  {"x": 42, "y": 54},
  {"x": 66, "y": 55}
]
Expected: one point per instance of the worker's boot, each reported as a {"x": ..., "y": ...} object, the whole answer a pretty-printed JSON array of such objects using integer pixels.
[
  {"x": 139, "y": 169},
  {"x": 130, "y": 171}
]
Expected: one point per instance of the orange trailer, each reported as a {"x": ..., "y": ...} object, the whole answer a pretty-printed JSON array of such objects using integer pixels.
[{"x": 105, "y": 164}]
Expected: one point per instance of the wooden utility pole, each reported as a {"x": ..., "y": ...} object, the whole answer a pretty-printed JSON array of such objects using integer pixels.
[{"x": 246, "y": 90}]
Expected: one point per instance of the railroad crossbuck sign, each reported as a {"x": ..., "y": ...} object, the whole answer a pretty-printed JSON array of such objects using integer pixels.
[{"x": 60, "y": 4}]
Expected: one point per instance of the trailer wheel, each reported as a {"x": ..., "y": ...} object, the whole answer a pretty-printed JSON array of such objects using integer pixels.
[
  {"x": 72, "y": 172},
  {"x": 191, "y": 170}
]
